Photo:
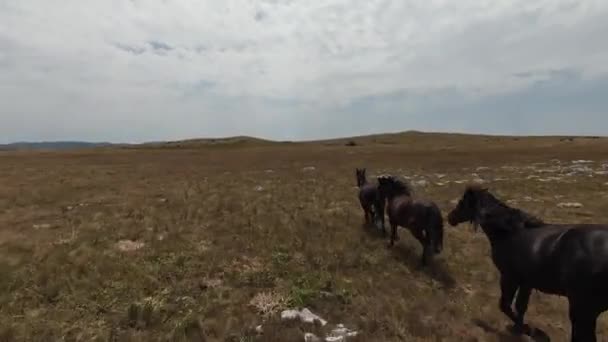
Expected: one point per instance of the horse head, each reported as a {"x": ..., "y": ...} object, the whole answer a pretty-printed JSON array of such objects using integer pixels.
[{"x": 468, "y": 207}]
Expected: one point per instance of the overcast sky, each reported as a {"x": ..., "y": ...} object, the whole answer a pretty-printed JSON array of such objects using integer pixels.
[{"x": 141, "y": 70}]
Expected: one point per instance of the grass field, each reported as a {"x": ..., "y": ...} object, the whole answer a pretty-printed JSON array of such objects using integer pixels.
[{"x": 202, "y": 241}]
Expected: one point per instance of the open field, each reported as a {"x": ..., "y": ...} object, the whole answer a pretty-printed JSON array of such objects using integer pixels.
[{"x": 179, "y": 241}]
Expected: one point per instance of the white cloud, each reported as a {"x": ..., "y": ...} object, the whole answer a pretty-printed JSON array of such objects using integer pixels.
[{"x": 135, "y": 70}]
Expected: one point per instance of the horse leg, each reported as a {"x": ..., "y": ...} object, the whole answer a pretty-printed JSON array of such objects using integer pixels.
[
  {"x": 380, "y": 215},
  {"x": 424, "y": 239},
  {"x": 394, "y": 237},
  {"x": 508, "y": 288},
  {"x": 365, "y": 208},
  {"x": 521, "y": 306},
  {"x": 583, "y": 320}
]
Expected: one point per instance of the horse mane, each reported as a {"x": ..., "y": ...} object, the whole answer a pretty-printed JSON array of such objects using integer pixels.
[
  {"x": 401, "y": 187},
  {"x": 496, "y": 207}
]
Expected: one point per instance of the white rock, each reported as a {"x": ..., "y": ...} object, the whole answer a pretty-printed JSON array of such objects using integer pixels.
[
  {"x": 309, "y": 168},
  {"x": 601, "y": 173},
  {"x": 570, "y": 205},
  {"x": 259, "y": 188},
  {"x": 129, "y": 245},
  {"x": 439, "y": 175},
  {"x": 269, "y": 171},
  {"x": 259, "y": 329},
  {"x": 305, "y": 316},
  {"x": 42, "y": 226},
  {"x": 482, "y": 168},
  {"x": 582, "y": 161},
  {"x": 308, "y": 337},
  {"x": 421, "y": 182},
  {"x": 340, "y": 333}
]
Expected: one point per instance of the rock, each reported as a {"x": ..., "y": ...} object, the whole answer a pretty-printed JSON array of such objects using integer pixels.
[
  {"x": 570, "y": 205},
  {"x": 478, "y": 181},
  {"x": 269, "y": 171},
  {"x": 309, "y": 337},
  {"x": 129, "y": 245},
  {"x": 259, "y": 188},
  {"x": 421, "y": 183},
  {"x": 439, "y": 175},
  {"x": 601, "y": 173},
  {"x": 340, "y": 333},
  {"x": 582, "y": 161},
  {"x": 163, "y": 200},
  {"x": 304, "y": 315},
  {"x": 309, "y": 168},
  {"x": 259, "y": 329},
  {"x": 43, "y": 226},
  {"x": 482, "y": 168}
]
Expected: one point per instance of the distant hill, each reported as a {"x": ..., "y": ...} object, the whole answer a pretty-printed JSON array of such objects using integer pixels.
[
  {"x": 52, "y": 145},
  {"x": 424, "y": 139}
]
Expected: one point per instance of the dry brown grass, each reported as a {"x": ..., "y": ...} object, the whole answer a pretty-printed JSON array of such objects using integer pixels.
[{"x": 217, "y": 238}]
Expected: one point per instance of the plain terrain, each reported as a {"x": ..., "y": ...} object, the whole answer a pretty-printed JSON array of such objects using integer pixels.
[{"x": 213, "y": 238}]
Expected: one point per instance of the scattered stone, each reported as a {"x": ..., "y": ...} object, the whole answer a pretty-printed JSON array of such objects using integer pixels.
[
  {"x": 129, "y": 245},
  {"x": 500, "y": 179},
  {"x": 340, "y": 333},
  {"x": 310, "y": 337},
  {"x": 304, "y": 315},
  {"x": 601, "y": 173},
  {"x": 309, "y": 168},
  {"x": 259, "y": 188},
  {"x": 549, "y": 179},
  {"x": 460, "y": 181},
  {"x": 269, "y": 171},
  {"x": 582, "y": 161},
  {"x": 482, "y": 168},
  {"x": 441, "y": 183},
  {"x": 163, "y": 200},
  {"x": 570, "y": 205},
  {"x": 478, "y": 181},
  {"x": 69, "y": 208},
  {"x": 439, "y": 175},
  {"x": 42, "y": 226},
  {"x": 259, "y": 329},
  {"x": 422, "y": 183}
]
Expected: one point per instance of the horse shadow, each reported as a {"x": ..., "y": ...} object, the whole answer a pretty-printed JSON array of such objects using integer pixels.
[
  {"x": 537, "y": 334},
  {"x": 436, "y": 269}
]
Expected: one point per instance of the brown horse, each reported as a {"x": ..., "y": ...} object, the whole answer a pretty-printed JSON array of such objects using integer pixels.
[
  {"x": 369, "y": 198},
  {"x": 568, "y": 260},
  {"x": 422, "y": 218}
]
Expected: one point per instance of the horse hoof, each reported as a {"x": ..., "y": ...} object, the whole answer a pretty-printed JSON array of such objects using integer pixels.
[{"x": 521, "y": 329}]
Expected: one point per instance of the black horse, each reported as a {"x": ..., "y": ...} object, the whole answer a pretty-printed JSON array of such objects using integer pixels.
[
  {"x": 369, "y": 197},
  {"x": 422, "y": 218},
  {"x": 568, "y": 260}
]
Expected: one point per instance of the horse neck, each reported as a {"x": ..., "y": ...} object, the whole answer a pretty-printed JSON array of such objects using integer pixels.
[{"x": 491, "y": 204}]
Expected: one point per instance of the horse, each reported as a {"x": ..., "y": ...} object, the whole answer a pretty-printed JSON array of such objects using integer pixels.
[
  {"x": 569, "y": 260},
  {"x": 369, "y": 198},
  {"x": 422, "y": 218}
]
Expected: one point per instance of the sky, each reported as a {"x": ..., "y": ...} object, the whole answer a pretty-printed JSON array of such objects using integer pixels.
[{"x": 149, "y": 70}]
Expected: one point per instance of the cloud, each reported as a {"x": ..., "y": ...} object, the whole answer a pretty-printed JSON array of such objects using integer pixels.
[{"x": 295, "y": 69}]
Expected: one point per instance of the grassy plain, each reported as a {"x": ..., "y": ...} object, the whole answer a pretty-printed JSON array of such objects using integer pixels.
[{"x": 205, "y": 240}]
